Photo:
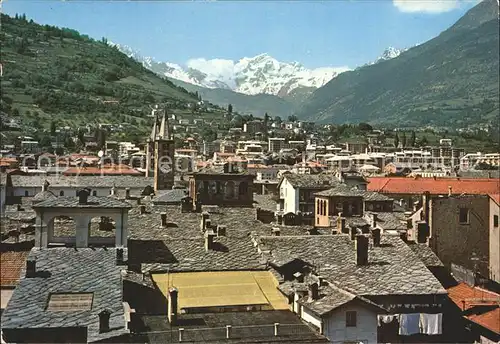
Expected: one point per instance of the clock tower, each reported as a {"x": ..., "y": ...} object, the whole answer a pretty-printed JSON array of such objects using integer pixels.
[{"x": 160, "y": 147}]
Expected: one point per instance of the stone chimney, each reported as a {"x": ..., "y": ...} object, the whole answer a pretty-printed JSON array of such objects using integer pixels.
[
  {"x": 361, "y": 247},
  {"x": 341, "y": 227},
  {"x": 173, "y": 295},
  {"x": 376, "y": 237},
  {"x": 142, "y": 209},
  {"x": 209, "y": 240},
  {"x": 31, "y": 267},
  {"x": 221, "y": 230},
  {"x": 45, "y": 186},
  {"x": 208, "y": 224},
  {"x": 104, "y": 321},
  {"x": 276, "y": 231},
  {"x": 374, "y": 219},
  {"x": 204, "y": 217},
  {"x": 83, "y": 196},
  {"x": 426, "y": 197},
  {"x": 450, "y": 191},
  {"x": 353, "y": 232},
  {"x": 113, "y": 191},
  {"x": 119, "y": 256},
  {"x": 313, "y": 291},
  {"x": 127, "y": 193},
  {"x": 163, "y": 219}
]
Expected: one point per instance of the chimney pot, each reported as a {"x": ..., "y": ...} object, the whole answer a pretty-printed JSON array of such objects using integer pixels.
[
  {"x": 374, "y": 220},
  {"x": 313, "y": 291},
  {"x": 221, "y": 230},
  {"x": 361, "y": 247},
  {"x": 119, "y": 256},
  {"x": 209, "y": 240},
  {"x": 376, "y": 237},
  {"x": 276, "y": 231},
  {"x": 31, "y": 267},
  {"x": 353, "y": 232},
  {"x": 104, "y": 321},
  {"x": 204, "y": 217},
  {"x": 163, "y": 219},
  {"x": 172, "y": 305}
]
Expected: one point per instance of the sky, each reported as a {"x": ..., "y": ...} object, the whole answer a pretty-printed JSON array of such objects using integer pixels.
[{"x": 331, "y": 33}]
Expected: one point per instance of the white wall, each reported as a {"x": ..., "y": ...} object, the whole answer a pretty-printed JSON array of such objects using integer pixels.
[
  {"x": 309, "y": 317},
  {"x": 291, "y": 197},
  {"x": 366, "y": 330},
  {"x": 494, "y": 243}
]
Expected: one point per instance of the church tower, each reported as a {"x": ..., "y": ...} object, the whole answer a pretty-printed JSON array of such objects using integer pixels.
[{"x": 160, "y": 153}]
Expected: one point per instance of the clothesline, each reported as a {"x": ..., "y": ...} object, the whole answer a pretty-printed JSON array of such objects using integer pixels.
[{"x": 415, "y": 323}]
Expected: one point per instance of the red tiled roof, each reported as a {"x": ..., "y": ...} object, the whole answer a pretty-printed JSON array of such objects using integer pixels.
[
  {"x": 12, "y": 263},
  {"x": 474, "y": 296},
  {"x": 439, "y": 186},
  {"x": 496, "y": 198},
  {"x": 490, "y": 320}
]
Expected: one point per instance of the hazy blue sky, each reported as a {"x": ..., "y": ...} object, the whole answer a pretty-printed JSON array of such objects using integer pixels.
[{"x": 316, "y": 34}]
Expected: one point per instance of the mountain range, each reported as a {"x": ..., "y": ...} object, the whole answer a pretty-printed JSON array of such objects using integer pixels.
[{"x": 451, "y": 80}]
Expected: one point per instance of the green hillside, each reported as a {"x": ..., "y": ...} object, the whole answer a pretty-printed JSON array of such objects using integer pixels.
[
  {"x": 59, "y": 74},
  {"x": 451, "y": 80}
]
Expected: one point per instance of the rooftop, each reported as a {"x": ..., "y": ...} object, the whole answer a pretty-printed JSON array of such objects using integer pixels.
[
  {"x": 438, "y": 186},
  {"x": 82, "y": 181},
  {"x": 68, "y": 271},
  {"x": 393, "y": 268},
  {"x": 341, "y": 190},
  {"x": 311, "y": 181},
  {"x": 11, "y": 267},
  {"x": 92, "y": 202}
]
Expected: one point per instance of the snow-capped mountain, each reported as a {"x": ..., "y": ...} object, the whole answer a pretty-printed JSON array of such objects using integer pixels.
[
  {"x": 389, "y": 53},
  {"x": 255, "y": 75}
]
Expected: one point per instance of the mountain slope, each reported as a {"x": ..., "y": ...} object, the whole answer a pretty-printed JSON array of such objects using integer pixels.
[
  {"x": 451, "y": 80},
  {"x": 58, "y": 74}
]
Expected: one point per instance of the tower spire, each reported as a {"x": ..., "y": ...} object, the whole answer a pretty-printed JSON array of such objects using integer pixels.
[{"x": 164, "y": 127}]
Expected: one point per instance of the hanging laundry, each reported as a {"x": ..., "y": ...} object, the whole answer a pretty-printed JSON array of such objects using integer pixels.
[
  {"x": 409, "y": 324},
  {"x": 431, "y": 324}
]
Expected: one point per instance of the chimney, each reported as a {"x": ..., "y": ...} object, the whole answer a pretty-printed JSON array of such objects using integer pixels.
[
  {"x": 401, "y": 202},
  {"x": 142, "y": 209},
  {"x": 113, "y": 191},
  {"x": 403, "y": 235},
  {"x": 426, "y": 197},
  {"x": 276, "y": 231},
  {"x": 361, "y": 247},
  {"x": 119, "y": 256},
  {"x": 221, "y": 230},
  {"x": 450, "y": 191},
  {"x": 45, "y": 186},
  {"x": 374, "y": 220},
  {"x": 127, "y": 193},
  {"x": 341, "y": 227},
  {"x": 104, "y": 321},
  {"x": 353, "y": 232},
  {"x": 172, "y": 305},
  {"x": 279, "y": 219},
  {"x": 376, "y": 237},
  {"x": 163, "y": 219},
  {"x": 31, "y": 267},
  {"x": 313, "y": 291},
  {"x": 204, "y": 217},
  {"x": 209, "y": 240},
  {"x": 83, "y": 196}
]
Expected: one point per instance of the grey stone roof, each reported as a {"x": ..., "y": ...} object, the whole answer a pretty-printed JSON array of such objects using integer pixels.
[
  {"x": 371, "y": 196},
  {"x": 425, "y": 254},
  {"x": 393, "y": 267},
  {"x": 391, "y": 220},
  {"x": 73, "y": 202},
  {"x": 3, "y": 179},
  {"x": 311, "y": 181},
  {"x": 83, "y": 181},
  {"x": 68, "y": 270},
  {"x": 170, "y": 197},
  {"x": 341, "y": 190},
  {"x": 43, "y": 196},
  {"x": 190, "y": 255}
]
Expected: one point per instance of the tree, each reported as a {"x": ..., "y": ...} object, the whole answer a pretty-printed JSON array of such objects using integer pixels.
[
  {"x": 277, "y": 119},
  {"x": 403, "y": 140},
  {"x": 45, "y": 142},
  {"x": 209, "y": 134},
  {"x": 292, "y": 118},
  {"x": 229, "y": 109},
  {"x": 396, "y": 141},
  {"x": 365, "y": 127},
  {"x": 423, "y": 142},
  {"x": 52, "y": 128},
  {"x": 412, "y": 139}
]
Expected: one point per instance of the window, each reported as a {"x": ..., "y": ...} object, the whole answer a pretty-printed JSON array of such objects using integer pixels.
[
  {"x": 94, "y": 193},
  {"x": 70, "y": 302},
  {"x": 350, "y": 319},
  {"x": 463, "y": 216},
  {"x": 61, "y": 193},
  {"x": 495, "y": 220},
  {"x": 26, "y": 193}
]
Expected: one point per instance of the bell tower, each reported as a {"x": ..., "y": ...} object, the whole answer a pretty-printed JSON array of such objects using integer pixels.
[{"x": 160, "y": 153}]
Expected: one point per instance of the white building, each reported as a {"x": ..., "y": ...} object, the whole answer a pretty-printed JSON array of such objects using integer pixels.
[{"x": 276, "y": 144}]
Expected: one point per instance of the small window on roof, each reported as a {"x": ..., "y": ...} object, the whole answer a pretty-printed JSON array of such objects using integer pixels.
[
  {"x": 70, "y": 302},
  {"x": 94, "y": 193},
  {"x": 61, "y": 193}
]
